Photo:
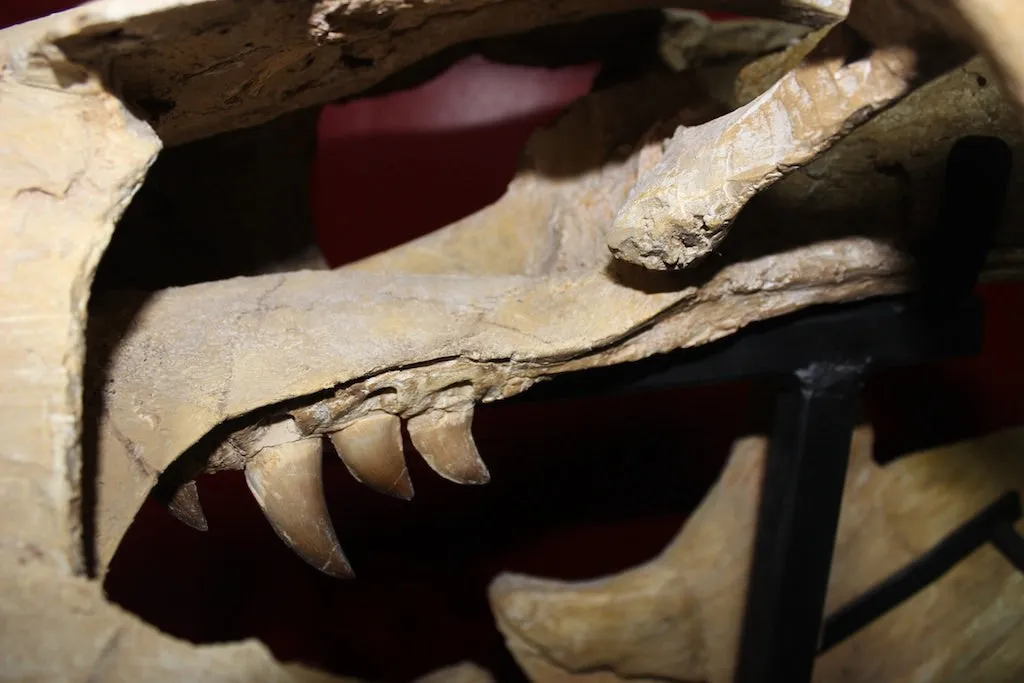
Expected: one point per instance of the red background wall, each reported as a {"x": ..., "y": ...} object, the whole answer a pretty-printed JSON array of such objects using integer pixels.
[{"x": 567, "y": 499}]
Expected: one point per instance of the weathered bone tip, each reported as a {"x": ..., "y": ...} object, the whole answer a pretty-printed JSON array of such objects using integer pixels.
[{"x": 646, "y": 235}]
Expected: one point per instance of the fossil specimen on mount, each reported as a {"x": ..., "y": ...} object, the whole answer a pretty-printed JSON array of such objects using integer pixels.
[
  {"x": 256, "y": 372},
  {"x": 677, "y": 617}
]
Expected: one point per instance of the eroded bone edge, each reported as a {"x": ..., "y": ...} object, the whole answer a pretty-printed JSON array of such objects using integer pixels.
[{"x": 319, "y": 52}]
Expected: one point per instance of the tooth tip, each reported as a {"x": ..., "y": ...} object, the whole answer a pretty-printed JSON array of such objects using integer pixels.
[
  {"x": 184, "y": 506},
  {"x": 339, "y": 570}
]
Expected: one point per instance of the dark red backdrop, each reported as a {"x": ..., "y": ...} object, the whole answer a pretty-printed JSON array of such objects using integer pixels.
[{"x": 569, "y": 495}]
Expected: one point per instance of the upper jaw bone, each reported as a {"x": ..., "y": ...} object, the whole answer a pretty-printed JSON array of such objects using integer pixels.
[
  {"x": 371, "y": 448},
  {"x": 444, "y": 439},
  {"x": 287, "y": 482}
]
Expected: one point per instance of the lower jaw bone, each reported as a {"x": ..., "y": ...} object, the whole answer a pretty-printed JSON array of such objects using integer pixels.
[{"x": 678, "y": 617}]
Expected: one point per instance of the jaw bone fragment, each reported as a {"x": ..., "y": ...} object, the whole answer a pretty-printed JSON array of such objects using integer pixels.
[
  {"x": 681, "y": 210},
  {"x": 371, "y": 449},
  {"x": 678, "y": 616},
  {"x": 287, "y": 482}
]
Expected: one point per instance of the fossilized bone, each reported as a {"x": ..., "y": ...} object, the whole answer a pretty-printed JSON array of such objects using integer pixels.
[
  {"x": 424, "y": 348},
  {"x": 74, "y": 155},
  {"x": 677, "y": 617},
  {"x": 681, "y": 210}
]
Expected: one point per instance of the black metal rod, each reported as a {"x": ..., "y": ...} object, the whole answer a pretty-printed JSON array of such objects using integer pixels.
[
  {"x": 930, "y": 567},
  {"x": 801, "y": 495}
]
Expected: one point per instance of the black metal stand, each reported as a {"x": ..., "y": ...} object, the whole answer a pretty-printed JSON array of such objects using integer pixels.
[
  {"x": 799, "y": 514},
  {"x": 803, "y": 485},
  {"x": 822, "y": 356}
]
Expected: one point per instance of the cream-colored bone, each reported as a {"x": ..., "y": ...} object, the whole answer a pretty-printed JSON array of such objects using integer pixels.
[
  {"x": 186, "y": 508},
  {"x": 371, "y": 448},
  {"x": 287, "y": 482},
  {"x": 445, "y": 440},
  {"x": 678, "y": 616},
  {"x": 680, "y": 211}
]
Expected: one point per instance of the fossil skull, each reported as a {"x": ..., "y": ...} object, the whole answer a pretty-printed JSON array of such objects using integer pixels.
[{"x": 564, "y": 273}]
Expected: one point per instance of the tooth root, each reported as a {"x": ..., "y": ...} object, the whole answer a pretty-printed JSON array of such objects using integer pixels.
[
  {"x": 184, "y": 506},
  {"x": 444, "y": 440},
  {"x": 371, "y": 449},
  {"x": 287, "y": 482}
]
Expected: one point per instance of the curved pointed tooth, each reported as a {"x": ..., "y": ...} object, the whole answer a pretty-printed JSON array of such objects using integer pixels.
[
  {"x": 287, "y": 482},
  {"x": 371, "y": 449},
  {"x": 184, "y": 506},
  {"x": 444, "y": 440}
]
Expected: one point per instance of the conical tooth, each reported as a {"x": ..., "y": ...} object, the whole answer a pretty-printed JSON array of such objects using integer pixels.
[
  {"x": 184, "y": 506},
  {"x": 287, "y": 482},
  {"x": 371, "y": 449},
  {"x": 444, "y": 440}
]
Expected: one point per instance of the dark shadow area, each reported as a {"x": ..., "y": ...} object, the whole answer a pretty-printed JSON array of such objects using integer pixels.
[
  {"x": 234, "y": 204},
  {"x": 566, "y": 500},
  {"x": 102, "y": 335}
]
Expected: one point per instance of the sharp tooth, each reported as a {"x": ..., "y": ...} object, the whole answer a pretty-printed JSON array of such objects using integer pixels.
[
  {"x": 444, "y": 440},
  {"x": 371, "y": 449},
  {"x": 184, "y": 506},
  {"x": 287, "y": 482}
]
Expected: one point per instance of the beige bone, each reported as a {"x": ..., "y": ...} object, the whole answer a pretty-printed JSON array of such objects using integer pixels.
[{"x": 72, "y": 158}]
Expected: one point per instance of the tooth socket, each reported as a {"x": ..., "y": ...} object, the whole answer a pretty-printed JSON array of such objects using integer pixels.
[
  {"x": 371, "y": 449},
  {"x": 184, "y": 506},
  {"x": 287, "y": 482},
  {"x": 446, "y": 443}
]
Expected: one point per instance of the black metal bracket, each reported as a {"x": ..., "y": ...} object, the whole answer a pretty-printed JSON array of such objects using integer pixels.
[{"x": 994, "y": 524}]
